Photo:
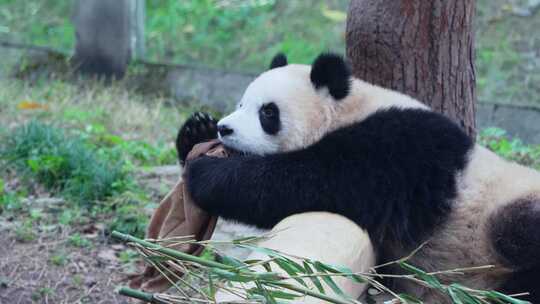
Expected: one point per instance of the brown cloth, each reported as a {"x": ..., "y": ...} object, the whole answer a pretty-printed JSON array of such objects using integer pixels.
[{"x": 177, "y": 216}]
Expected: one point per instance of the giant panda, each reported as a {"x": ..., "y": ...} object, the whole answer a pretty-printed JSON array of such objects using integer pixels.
[{"x": 314, "y": 138}]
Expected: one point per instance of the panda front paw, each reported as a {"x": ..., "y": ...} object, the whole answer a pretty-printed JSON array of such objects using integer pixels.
[{"x": 198, "y": 128}]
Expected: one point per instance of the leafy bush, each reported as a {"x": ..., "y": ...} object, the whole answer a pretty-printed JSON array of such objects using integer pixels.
[
  {"x": 63, "y": 164},
  {"x": 498, "y": 141},
  {"x": 129, "y": 213}
]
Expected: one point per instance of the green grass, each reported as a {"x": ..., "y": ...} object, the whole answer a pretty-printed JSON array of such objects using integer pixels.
[
  {"x": 92, "y": 107},
  {"x": 79, "y": 167},
  {"x": 63, "y": 164},
  {"x": 78, "y": 240},
  {"x": 59, "y": 258}
]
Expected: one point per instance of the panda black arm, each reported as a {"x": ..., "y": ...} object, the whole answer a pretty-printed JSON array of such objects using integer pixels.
[
  {"x": 393, "y": 174},
  {"x": 257, "y": 190}
]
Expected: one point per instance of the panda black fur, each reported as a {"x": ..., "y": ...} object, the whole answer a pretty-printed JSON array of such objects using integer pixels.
[
  {"x": 400, "y": 171},
  {"x": 352, "y": 171}
]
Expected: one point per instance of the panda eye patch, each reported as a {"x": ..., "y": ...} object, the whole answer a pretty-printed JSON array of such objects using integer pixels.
[
  {"x": 269, "y": 118},
  {"x": 269, "y": 110}
]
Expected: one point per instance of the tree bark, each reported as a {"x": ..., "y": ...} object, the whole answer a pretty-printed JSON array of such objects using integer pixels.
[
  {"x": 423, "y": 48},
  {"x": 103, "y": 37}
]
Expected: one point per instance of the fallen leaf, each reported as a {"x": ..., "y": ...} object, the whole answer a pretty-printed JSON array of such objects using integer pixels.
[{"x": 31, "y": 105}]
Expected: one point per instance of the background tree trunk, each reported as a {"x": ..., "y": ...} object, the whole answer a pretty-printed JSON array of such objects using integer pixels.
[
  {"x": 423, "y": 48},
  {"x": 108, "y": 34}
]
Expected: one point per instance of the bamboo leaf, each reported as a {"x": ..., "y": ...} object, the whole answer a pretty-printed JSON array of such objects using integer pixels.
[
  {"x": 493, "y": 295},
  {"x": 267, "y": 267},
  {"x": 267, "y": 296},
  {"x": 455, "y": 298},
  {"x": 469, "y": 299},
  {"x": 409, "y": 299},
  {"x": 315, "y": 280},
  {"x": 290, "y": 270},
  {"x": 328, "y": 280},
  {"x": 245, "y": 239},
  {"x": 294, "y": 264},
  {"x": 231, "y": 276},
  {"x": 430, "y": 279},
  {"x": 269, "y": 276},
  {"x": 277, "y": 294},
  {"x": 232, "y": 261},
  {"x": 344, "y": 270}
]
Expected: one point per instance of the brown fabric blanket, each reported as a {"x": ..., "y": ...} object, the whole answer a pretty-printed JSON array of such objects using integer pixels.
[{"x": 176, "y": 216}]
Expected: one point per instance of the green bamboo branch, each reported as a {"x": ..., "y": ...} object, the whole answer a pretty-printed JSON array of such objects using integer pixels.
[
  {"x": 256, "y": 276},
  {"x": 169, "y": 252},
  {"x": 242, "y": 273},
  {"x": 140, "y": 295}
]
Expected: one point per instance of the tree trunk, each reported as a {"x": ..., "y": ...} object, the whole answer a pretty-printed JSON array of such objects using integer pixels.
[
  {"x": 423, "y": 48},
  {"x": 103, "y": 37}
]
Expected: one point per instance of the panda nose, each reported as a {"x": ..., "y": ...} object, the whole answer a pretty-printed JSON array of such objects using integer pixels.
[{"x": 224, "y": 130}]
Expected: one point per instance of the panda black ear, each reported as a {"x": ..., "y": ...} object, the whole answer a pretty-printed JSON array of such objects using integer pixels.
[
  {"x": 331, "y": 71},
  {"x": 279, "y": 60}
]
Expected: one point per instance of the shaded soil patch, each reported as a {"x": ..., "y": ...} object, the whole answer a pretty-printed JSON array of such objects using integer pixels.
[{"x": 49, "y": 270}]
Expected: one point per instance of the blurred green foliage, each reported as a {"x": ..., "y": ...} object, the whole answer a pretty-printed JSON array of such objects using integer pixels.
[
  {"x": 508, "y": 61},
  {"x": 43, "y": 22},
  {"x": 244, "y": 35},
  {"x": 232, "y": 34},
  {"x": 498, "y": 141}
]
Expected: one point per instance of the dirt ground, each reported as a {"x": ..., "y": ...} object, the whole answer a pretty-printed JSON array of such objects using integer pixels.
[
  {"x": 52, "y": 268},
  {"x": 48, "y": 270}
]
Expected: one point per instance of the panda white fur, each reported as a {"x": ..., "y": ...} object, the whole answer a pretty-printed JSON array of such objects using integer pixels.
[
  {"x": 317, "y": 139},
  {"x": 320, "y": 236}
]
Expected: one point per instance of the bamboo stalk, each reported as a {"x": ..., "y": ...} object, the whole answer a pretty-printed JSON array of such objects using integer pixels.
[
  {"x": 137, "y": 294},
  {"x": 170, "y": 252}
]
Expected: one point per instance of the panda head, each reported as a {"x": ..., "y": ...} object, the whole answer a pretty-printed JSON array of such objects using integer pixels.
[{"x": 287, "y": 107}]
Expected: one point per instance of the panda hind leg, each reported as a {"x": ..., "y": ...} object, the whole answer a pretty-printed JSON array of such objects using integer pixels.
[
  {"x": 515, "y": 233},
  {"x": 198, "y": 128}
]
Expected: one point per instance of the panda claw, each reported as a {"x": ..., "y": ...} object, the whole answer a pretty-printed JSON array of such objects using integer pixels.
[{"x": 198, "y": 128}]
